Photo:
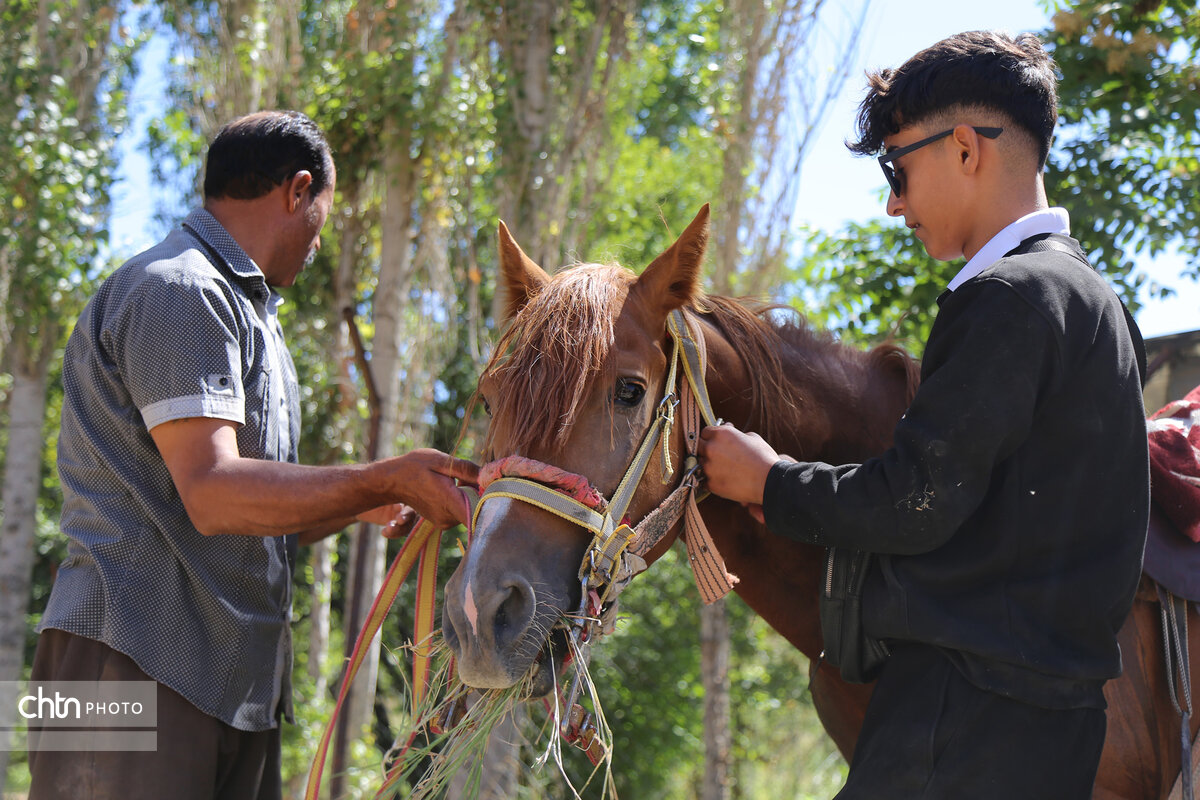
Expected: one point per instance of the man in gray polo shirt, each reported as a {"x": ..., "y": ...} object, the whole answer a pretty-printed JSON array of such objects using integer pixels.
[{"x": 183, "y": 500}]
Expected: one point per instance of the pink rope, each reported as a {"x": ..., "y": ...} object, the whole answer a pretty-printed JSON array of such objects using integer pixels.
[{"x": 570, "y": 484}]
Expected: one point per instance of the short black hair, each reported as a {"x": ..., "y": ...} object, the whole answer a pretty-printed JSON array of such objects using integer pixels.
[
  {"x": 253, "y": 154},
  {"x": 990, "y": 70}
]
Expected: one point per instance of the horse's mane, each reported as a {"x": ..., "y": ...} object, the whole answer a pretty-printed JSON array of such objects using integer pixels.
[
  {"x": 762, "y": 334},
  {"x": 556, "y": 346},
  {"x": 561, "y": 339}
]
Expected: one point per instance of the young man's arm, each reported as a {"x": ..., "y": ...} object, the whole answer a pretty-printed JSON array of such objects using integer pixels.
[
  {"x": 227, "y": 494},
  {"x": 987, "y": 369}
]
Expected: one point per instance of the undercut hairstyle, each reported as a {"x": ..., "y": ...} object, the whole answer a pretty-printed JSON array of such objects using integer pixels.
[
  {"x": 977, "y": 70},
  {"x": 252, "y": 155}
]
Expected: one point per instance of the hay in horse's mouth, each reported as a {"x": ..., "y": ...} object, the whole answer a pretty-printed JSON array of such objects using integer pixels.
[
  {"x": 461, "y": 727},
  {"x": 551, "y": 661}
]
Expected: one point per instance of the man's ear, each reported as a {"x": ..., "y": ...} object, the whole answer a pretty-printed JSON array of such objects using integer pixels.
[{"x": 296, "y": 188}]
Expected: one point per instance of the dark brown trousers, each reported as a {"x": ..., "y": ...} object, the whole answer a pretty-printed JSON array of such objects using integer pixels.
[{"x": 198, "y": 757}]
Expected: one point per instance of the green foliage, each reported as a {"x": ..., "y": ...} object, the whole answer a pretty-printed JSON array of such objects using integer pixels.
[
  {"x": 675, "y": 44},
  {"x": 780, "y": 748},
  {"x": 174, "y": 142},
  {"x": 870, "y": 282},
  {"x": 1127, "y": 159},
  {"x": 60, "y": 118},
  {"x": 664, "y": 157},
  {"x": 642, "y": 206}
]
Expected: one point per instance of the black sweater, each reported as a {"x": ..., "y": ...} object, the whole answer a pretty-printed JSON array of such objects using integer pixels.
[{"x": 1012, "y": 507}]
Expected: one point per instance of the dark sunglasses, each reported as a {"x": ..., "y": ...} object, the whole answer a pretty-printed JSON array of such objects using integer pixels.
[{"x": 889, "y": 172}]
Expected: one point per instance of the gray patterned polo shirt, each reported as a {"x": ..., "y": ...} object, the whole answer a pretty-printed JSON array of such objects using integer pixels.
[{"x": 186, "y": 329}]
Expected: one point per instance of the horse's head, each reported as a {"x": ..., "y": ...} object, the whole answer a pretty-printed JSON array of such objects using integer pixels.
[{"x": 576, "y": 381}]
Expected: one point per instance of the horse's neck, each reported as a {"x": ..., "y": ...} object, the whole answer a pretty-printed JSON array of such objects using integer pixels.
[
  {"x": 848, "y": 403},
  {"x": 853, "y": 405},
  {"x": 849, "y": 406}
]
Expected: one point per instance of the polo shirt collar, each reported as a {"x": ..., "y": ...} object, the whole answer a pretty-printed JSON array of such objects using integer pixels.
[
  {"x": 1050, "y": 220},
  {"x": 229, "y": 253}
]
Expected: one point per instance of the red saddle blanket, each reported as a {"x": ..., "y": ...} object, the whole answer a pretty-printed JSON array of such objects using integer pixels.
[
  {"x": 1172, "y": 557},
  {"x": 1174, "y": 438}
]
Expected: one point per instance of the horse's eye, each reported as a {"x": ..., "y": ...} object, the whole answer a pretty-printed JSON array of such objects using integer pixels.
[
  {"x": 487, "y": 407},
  {"x": 629, "y": 393}
]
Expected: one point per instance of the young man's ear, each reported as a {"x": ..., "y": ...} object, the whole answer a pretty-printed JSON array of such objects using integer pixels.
[
  {"x": 967, "y": 142},
  {"x": 296, "y": 188}
]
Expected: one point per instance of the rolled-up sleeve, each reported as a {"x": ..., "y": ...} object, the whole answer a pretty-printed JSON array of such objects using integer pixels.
[{"x": 176, "y": 346}]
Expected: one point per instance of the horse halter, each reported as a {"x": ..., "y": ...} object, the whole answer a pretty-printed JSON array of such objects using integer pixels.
[{"x": 615, "y": 554}]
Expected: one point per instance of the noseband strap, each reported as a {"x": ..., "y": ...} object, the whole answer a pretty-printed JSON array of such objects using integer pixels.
[{"x": 547, "y": 499}]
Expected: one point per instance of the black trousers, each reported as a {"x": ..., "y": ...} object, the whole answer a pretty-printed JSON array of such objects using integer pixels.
[
  {"x": 931, "y": 734},
  {"x": 198, "y": 757}
]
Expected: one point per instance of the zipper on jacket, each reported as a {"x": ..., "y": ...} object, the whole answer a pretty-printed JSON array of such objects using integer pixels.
[{"x": 829, "y": 573}]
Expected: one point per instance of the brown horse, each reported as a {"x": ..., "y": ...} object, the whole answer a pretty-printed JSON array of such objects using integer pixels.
[{"x": 575, "y": 383}]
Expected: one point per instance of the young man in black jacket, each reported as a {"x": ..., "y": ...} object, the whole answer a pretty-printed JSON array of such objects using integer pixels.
[{"x": 1010, "y": 513}]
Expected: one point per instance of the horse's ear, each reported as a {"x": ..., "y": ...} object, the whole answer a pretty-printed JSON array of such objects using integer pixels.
[
  {"x": 522, "y": 278},
  {"x": 673, "y": 279}
]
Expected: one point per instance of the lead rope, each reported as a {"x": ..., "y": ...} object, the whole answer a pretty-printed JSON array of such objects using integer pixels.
[
  {"x": 420, "y": 549},
  {"x": 708, "y": 567}
]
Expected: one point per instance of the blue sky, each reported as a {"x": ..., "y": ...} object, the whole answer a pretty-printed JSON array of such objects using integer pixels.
[{"x": 836, "y": 187}]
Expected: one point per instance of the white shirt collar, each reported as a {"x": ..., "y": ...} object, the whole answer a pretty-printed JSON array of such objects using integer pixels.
[{"x": 1050, "y": 220}]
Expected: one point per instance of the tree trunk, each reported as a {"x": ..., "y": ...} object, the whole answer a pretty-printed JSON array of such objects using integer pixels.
[
  {"x": 744, "y": 22},
  {"x": 368, "y": 552},
  {"x": 714, "y": 671},
  {"x": 342, "y": 354},
  {"x": 395, "y": 277},
  {"x": 523, "y": 38},
  {"x": 321, "y": 557},
  {"x": 356, "y": 611},
  {"x": 554, "y": 120},
  {"x": 6, "y": 261},
  {"x": 22, "y": 478}
]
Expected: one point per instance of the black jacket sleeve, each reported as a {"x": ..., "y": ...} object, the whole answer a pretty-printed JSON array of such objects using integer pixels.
[{"x": 988, "y": 359}]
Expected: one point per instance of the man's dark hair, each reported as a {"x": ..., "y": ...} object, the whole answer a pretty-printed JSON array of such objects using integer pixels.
[
  {"x": 985, "y": 70},
  {"x": 252, "y": 155}
]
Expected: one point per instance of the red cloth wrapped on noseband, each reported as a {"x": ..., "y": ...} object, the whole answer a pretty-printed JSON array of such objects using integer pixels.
[{"x": 570, "y": 484}]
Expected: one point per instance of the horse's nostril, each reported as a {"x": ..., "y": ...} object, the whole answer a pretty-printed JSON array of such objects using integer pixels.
[
  {"x": 514, "y": 613},
  {"x": 448, "y": 632}
]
